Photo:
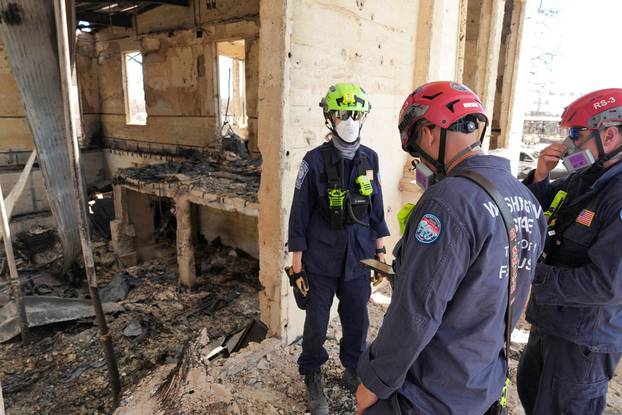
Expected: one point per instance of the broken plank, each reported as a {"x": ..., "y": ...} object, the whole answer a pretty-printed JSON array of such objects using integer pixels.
[
  {"x": 44, "y": 310},
  {"x": 16, "y": 284},
  {"x": 17, "y": 190}
]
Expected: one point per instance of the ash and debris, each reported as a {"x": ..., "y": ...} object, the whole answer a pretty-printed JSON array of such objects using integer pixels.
[
  {"x": 263, "y": 379},
  {"x": 163, "y": 338},
  {"x": 223, "y": 173},
  {"x": 63, "y": 370}
]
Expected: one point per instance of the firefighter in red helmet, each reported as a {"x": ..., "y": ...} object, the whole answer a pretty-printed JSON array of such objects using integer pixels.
[
  {"x": 576, "y": 303},
  {"x": 441, "y": 347}
]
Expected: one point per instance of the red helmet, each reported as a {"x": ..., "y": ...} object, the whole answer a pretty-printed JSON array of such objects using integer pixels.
[
  {"x": 442, "y": 103},
  {"x": 597, "y": 109}
]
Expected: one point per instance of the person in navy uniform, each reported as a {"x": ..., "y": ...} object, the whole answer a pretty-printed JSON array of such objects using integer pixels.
[
  {"x": 336, "y": 219},
  {"x": 440, "y": 349},
  {"x": 576, "y": 304}
]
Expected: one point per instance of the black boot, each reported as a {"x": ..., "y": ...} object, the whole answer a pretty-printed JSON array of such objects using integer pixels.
[
  {"x": 318, "y": 405},
  {"x": 350, "y": 380}
]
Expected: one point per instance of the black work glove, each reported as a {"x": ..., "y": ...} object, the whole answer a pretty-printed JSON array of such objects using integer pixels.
[{"x": 300, "y": 285}]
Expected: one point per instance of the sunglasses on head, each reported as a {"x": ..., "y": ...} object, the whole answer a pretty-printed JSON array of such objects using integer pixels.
[{"x": 345, "y": 114}]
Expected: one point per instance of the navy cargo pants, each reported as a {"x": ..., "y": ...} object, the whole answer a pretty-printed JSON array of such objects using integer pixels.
[
  {"x": 353, "y": 296},
  {"x": 556, "y": 376}
]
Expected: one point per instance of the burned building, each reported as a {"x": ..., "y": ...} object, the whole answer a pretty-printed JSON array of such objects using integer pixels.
[{"x": 193, "y": 117}]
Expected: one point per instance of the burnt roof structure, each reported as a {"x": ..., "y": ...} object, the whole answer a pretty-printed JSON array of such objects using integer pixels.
[{"x": 102, "y": 13}]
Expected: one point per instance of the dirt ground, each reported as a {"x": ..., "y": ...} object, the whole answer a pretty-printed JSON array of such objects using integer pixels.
[
  {"x": 263, "y": 379},
  {"x": 63, "y": 371},
  {"x": 163, "y": 340}
]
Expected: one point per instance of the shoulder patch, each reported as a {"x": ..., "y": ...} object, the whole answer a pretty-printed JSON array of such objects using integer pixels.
[
  {"x": 585, "y": 218},
  {"x": 302, "y": 173},
  {"x": 428, "y": 229}
]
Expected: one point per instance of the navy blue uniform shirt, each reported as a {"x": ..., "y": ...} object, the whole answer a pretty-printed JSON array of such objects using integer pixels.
[
  {"x": 441, "y": 344},
  {"x": 577, "y": 295},
  {"x": 334, "y": 253}
]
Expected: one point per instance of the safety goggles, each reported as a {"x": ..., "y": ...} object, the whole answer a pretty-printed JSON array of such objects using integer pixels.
[
  {"x": 346, "y": 114},
  {"x": 574, "y": 133}
]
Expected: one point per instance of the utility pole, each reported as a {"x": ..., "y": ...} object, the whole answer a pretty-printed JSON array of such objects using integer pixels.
[{"x": 62, "y": 30}]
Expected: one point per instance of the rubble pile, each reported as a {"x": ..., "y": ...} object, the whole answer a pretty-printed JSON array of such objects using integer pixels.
[
  {"x": 63, "y": 370},
  {"x": 178, "y": 352},
  {"x": 263, "y": 379},
  {"x": 260, "y": 379}
]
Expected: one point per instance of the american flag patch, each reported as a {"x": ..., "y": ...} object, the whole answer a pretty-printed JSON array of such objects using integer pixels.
[{"x": 585, "y": 218}]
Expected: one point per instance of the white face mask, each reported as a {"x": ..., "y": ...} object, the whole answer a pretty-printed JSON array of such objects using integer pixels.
[{"x": 348, "y": 130}]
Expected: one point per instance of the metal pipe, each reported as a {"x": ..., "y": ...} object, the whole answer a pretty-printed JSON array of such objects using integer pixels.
[
  {"x": 60, "y": 12},
  {"x": 16, "y": 285}
]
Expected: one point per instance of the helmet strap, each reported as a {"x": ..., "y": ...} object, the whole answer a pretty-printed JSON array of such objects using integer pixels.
[
  {"x": 481, "y": 137},
  {"x": 330, "y": 124},
  {"x": 438, "y": 164},
  {"x": 599, "y": 145},
  {"x": 612, "y": 154}
]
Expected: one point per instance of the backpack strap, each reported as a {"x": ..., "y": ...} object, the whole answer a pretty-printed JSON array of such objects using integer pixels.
[
  {"x": 336, "y": 193},
  {"x": 332, "y": 173},
  {"x": 513, "y": 257},
  {"x": 363, "y": 164}
]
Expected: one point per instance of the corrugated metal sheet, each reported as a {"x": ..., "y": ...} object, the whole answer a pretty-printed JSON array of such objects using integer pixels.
[{"x": 28, "y": 30}]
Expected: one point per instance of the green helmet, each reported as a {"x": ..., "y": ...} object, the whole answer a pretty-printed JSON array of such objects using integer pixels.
[{"x": 350, "y": 97}]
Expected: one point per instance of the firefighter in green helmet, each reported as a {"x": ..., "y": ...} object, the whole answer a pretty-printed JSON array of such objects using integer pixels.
[{"x": 336, "y": 219}]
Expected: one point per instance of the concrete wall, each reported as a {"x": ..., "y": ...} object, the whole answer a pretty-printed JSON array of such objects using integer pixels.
[
  {"x": 482, "y": 49},
  {"x": 33, "y": 198},
  {"x": 514, "y": 91},
  {"x": 14, "y": 131},
  {"x": 235, "y": 230},
  {"x": 438, "y": 41},
  {"x": 88, "y": 85},
  {"x": 115, "y": 160},
  {"x": 324, "y": 42},
  {"x": 379, "y": 55},
  {"x": 179, "y": 68},
  {"x": 94, "y": 169}
]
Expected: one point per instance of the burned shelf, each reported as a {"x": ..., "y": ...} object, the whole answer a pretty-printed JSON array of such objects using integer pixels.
[{"x": 228, "y": 184}]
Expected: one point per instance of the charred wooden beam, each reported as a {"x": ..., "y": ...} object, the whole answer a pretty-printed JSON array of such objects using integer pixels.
[
  {"x": 171, "y": 2},
  {"x": 26, "y": 29},
  {"x": 118, "y": 19},
  {"x": 63, "y": 31}
]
